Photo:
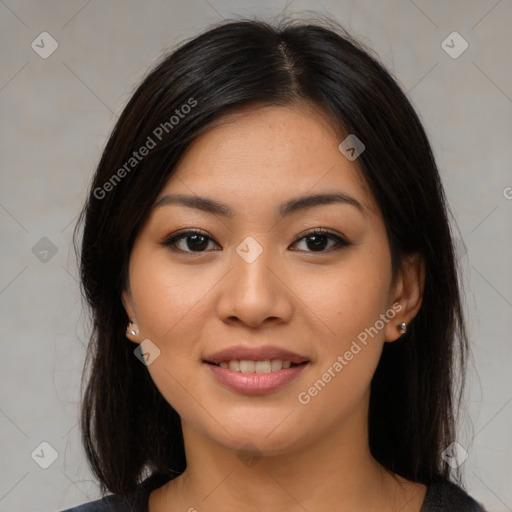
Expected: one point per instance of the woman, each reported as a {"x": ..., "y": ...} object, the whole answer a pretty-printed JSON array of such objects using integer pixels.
[{"x": 268, "y": 259}]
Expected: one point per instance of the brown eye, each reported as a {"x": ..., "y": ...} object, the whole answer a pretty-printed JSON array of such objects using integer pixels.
[
  {"x": 319, "y": 240},
  {"x": 188, "y": 241}
]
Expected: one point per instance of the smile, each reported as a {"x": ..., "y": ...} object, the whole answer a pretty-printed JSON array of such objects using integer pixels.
[
  {"x": 256, "y": 377},
  {"x": 248, "y": 366}
]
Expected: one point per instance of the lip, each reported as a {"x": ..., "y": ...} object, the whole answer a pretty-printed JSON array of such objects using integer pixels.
[
  {"x": 255, "y": 354},
  {"x": 255, "y": 383}
]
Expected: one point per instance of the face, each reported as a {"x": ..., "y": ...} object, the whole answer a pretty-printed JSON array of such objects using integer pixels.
[{"x": 252, "y": 275}]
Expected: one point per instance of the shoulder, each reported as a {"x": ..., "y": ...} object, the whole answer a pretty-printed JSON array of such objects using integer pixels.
[
  {"x": 447, "y": 496},
  {"x": 116, "y": 503},
  {"x": 110, "y": 503}
]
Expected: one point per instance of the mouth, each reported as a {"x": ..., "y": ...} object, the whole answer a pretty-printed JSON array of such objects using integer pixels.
[
  {"x": 246, "y": 358},
  {"x": 251, "y": 370},
  {"x": 252, "y": 366}
]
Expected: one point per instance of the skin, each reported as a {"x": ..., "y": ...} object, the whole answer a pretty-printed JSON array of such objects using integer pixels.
[{"x": 312, "y": 456}]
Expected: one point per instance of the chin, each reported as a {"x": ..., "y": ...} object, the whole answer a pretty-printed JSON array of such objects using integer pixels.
[{"x": 259, "y": 438}]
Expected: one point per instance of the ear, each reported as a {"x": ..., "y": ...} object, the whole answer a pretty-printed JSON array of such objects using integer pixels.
[
  {"x": 407, "y": 293},
  {"x": 132, "y": 329}
]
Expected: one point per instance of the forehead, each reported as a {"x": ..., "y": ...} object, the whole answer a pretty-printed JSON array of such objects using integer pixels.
[{"x": 270, "y": 152}]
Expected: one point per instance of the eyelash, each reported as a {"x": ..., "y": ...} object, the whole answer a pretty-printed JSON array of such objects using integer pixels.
[{"x": 170, "y": 242}]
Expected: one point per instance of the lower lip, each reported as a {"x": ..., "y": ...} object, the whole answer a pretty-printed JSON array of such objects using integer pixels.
[{"x": 255, "y": 383}]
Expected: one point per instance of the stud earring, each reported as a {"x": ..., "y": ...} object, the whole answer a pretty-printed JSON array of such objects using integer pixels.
[
  {"x": 133, "y": 332},
  {"x": 402, "y": 328}
]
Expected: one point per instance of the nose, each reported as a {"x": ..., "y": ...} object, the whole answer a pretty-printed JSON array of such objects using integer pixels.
[{"x": 254, "y": 293}]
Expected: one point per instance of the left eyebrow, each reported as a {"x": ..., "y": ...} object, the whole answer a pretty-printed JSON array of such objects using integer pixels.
[
  {"x": 310, "y": 201},
  {"x": 285, "y": 209}
]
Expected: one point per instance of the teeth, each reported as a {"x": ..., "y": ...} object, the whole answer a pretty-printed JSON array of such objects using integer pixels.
[
  {"x": 262, "y": 366},
  {"x": 234, "y": 365},
  {"x": 276, "y": 364},
  {"x": 246, "y": 366}
]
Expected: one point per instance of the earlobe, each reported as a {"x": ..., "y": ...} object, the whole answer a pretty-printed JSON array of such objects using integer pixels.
[
  {"x": 132, "y": 330},
  {"x": 408, "y": 292},
  {"x": 402, "y": 328}
]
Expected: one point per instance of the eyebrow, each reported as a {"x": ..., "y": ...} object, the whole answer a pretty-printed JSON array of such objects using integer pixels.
[{"x": 285, "y": 209}]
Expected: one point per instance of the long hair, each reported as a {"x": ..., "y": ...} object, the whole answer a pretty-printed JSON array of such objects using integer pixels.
[{"x": 128, "y": 429}]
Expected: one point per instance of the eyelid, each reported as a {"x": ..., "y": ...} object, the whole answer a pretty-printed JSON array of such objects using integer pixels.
[
  {"x": 319, "y": 230},
  {"x": 167, "y": 240}
]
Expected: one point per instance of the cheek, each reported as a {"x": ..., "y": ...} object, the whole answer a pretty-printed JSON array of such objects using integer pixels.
[
  {"x": 173, "y": 304},
  {"x": 348, "y": 298},
  {"x": 351, "y": 309},
  {"x": 168, "y": 296},
  {"x": 171, "y": 308}
]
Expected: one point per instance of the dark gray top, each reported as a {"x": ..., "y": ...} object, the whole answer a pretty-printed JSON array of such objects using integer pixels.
[{"x": 440, "y": 497}]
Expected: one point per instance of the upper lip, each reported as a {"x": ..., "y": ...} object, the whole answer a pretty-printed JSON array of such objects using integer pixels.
[{"x": 262, "y": 353}]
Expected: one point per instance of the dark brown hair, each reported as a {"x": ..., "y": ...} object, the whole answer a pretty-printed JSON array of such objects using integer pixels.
[{"x": 129, "y": 431}]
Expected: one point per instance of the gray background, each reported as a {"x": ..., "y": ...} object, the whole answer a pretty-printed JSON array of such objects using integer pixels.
[{"x": 56, "y": 114}]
